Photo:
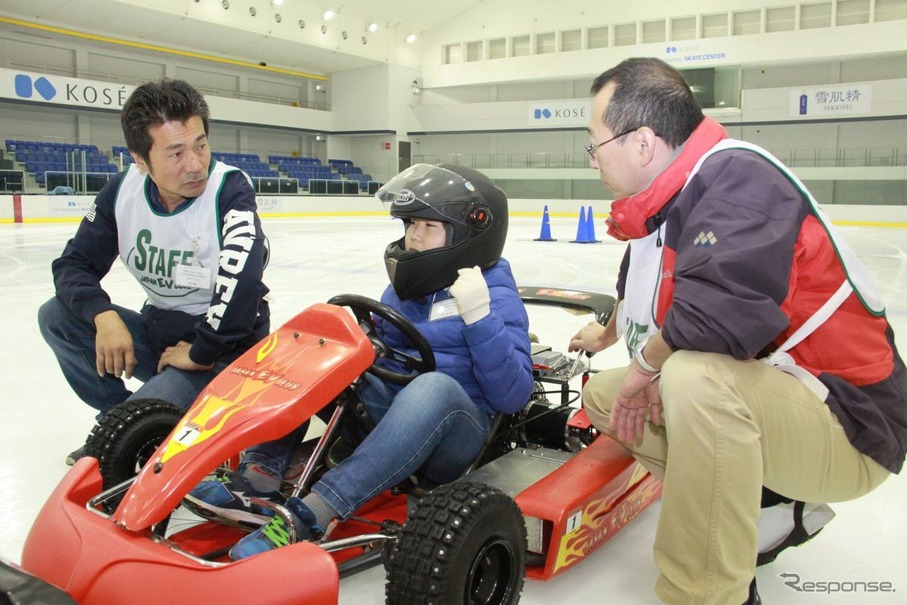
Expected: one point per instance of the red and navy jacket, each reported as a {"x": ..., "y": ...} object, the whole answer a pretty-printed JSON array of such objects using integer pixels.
[{"x": 765, "y": 266}]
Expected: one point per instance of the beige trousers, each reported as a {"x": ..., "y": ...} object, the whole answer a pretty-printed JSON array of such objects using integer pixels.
[{"x": 731, "y": 427}]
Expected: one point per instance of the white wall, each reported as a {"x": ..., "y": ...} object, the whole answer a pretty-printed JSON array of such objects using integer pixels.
[
  {"x": 360, "y": 100},
  {"x": 55, "y": 119},
  {"x": 889, "y": 98},
  {"x": 507, "y": 18},
  {"x": 371, "y": 105}
]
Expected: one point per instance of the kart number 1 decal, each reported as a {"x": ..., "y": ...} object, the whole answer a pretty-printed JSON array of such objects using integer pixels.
[
  {"x": 187, "y": 437},
  {"x": 574, "y": 520}
]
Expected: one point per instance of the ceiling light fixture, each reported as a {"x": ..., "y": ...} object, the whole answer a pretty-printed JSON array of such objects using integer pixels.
[
  {"x": 276, "y": 2},
  {"x": 328, "y": 15},
  {"x": 372, "y": 27},
  {"x": 410, "y": 38}
]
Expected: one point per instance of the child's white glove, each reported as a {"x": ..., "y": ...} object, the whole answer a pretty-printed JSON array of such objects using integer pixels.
[{"x": 471, "y": 293}]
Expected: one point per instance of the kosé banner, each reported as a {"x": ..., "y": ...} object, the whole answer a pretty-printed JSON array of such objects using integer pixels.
[
  {"x": 559, "y": 113},
  {"x": 58, "y": 90}
]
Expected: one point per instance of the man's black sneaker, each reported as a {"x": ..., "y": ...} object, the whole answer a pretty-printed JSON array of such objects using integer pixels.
[{"x": 75, "y": 455}]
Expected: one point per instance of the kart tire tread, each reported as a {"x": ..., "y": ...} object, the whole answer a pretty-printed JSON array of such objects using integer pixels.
[
  {"x": 462, "y": 543},
  {"x": 127, "y": 433}
]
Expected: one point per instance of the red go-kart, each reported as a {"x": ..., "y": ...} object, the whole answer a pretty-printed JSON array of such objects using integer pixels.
[{"x": 546, "y": 491}]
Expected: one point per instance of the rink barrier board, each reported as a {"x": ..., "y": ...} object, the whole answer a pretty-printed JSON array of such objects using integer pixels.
[{"x": 19, "y": 208}]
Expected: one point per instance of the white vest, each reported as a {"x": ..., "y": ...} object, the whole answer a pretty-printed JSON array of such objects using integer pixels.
[
  {"x": 175, "y": 257},
  {"x": 636, "y": 313},
  {"x": 858, "y": 278},
  {"x": 636, "y": 316}
]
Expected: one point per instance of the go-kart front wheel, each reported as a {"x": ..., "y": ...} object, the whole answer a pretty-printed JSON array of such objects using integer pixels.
[
  {"x": 463, "y": 543},
  {"x": 126, "y": 437}
]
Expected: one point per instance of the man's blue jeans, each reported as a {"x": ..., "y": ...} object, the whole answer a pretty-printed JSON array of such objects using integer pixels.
[
  {"x": 73, "y": 342},
  {"x": 430, "y": 424}
]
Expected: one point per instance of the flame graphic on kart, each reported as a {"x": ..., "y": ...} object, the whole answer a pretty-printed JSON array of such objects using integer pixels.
[
  {"x": 602, "y": 518},
  {"x": 210, "y": 414}
]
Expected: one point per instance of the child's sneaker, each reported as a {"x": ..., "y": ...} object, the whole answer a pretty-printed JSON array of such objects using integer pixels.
[
  {"x": 227, "y": 498},
  {"x": 276, "y": 533}
]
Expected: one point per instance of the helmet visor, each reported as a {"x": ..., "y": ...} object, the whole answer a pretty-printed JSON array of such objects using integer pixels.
[{"x": 430, "y": 192}]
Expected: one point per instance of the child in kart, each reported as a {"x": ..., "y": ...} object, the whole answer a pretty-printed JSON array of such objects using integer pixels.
[{"x": 447, "y": 277}]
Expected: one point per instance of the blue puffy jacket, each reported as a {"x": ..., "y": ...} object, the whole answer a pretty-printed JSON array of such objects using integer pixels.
[{"x": 490, "y": 358}]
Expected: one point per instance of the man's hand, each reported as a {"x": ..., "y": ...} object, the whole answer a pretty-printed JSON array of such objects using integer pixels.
[
  {"x": 178, "y": 357},
  {"x": 114, "y": 351},
  {"x": 656, "y": 408},
  {"x": 592, "y": 338},
  {"x": 637, "y": 397}
]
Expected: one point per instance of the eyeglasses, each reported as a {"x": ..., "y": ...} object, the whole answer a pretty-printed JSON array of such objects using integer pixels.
[{"x": 590, "y": 148}]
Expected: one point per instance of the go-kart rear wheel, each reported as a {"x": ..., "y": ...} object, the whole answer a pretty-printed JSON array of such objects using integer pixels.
[
  {"x": 462, "y": 543},
  {"x": 126, "y": 437}
]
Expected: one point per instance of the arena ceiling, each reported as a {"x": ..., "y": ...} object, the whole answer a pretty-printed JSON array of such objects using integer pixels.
[{"x": 287, "y": 36}]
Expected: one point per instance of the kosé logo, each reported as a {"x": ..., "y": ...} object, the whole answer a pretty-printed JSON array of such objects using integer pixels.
[
  {"x": 563, "y": 113},
  {"x": 26, "y": 87}
]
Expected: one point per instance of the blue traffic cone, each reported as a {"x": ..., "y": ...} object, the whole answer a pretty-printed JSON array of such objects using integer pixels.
[
  {"x": 545, "y": 235},
  {"x": 590, "y": 228},
  {"x": 581, "y": 228}
]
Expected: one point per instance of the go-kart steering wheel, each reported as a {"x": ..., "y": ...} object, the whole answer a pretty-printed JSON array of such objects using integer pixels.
[{"x": 362, "y": 307}]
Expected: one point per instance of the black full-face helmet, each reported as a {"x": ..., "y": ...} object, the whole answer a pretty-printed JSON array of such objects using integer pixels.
[{"x": 473, "y": 210}]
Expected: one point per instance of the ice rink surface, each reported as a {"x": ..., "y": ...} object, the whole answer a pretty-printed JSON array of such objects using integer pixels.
[{"x": 315, "y": 258}]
